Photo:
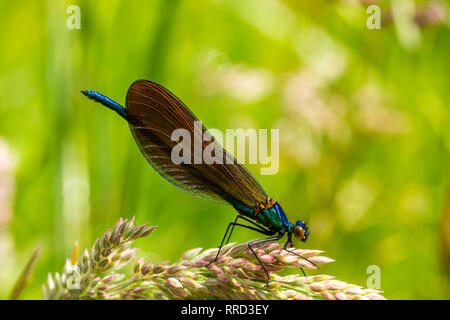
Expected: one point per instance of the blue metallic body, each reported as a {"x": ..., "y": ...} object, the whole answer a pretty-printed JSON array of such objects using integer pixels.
[{"x": 107, "y": 102}]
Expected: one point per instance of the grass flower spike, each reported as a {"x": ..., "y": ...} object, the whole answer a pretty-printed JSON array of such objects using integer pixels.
[{"x": 99, "y": 273}]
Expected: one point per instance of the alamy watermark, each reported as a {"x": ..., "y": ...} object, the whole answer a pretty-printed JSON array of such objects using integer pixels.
[
  {"x": 203, "y": 148},
  {"x": 374, "y": 280},
  {"x": 74, "y": 20},
  {"x": 374, "y": 20}
]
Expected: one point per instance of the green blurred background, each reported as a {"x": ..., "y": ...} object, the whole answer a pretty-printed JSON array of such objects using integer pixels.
[{"x": 363, "y": 118}]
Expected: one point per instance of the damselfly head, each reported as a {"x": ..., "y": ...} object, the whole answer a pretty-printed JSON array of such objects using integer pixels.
[{"x": 301, "y": 231}]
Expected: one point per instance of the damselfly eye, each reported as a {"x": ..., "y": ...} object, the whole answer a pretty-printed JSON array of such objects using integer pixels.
[{"x": 299, "y": 233}]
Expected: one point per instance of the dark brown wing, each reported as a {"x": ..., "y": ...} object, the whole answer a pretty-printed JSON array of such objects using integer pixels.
[{"x": 153, "y": 115}]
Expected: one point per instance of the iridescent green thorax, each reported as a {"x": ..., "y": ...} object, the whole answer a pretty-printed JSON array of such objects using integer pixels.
[{"x": 270, "y": 215}]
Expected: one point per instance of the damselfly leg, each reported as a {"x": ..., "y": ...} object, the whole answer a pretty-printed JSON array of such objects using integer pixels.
[
  {"x": 298, "y": 255},
  {"x": 257, "y": 228}
]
